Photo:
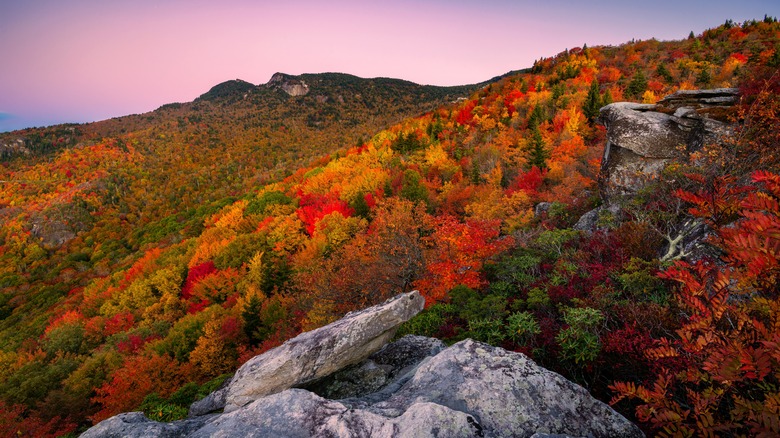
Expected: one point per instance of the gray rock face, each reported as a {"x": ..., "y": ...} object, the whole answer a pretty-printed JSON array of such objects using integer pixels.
[
  {"x": 507, "y": 394},
  {"x": 298, "y": 413},
  {"x": 640, "y": 129},
  {"x": 467, "y": 390},
  {"x": 598, "y": 218},
  {"x": 211, "y": 403},
  {"x": 541, "y": 208},
  {"x": 289, "y": 84},
  {"x": 136, "y": 425},
  {"x": 320, "y": 352},
  {"x": 698, "y": 99},
  {"x": 642, "y": 139}
]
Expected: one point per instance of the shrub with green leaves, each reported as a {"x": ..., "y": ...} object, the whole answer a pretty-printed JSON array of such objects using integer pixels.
[
  {"x": 428, "y": 322},
  {"x": 518, "y": 271},
  {"x": 552, "y": 242},
  {"x": 537, "y": 299},
  {"x": 522, "y": 327},
  {"x": 176, "y": 407},
  {"x": 471, "y": 305},
  {"x": 640, "y": 281},
  {"x": 259, "y": 204},
  {"x": 490, "y": 331},
  {"x": 158, "y": 409},
  {"x": 580, "y": 341}
]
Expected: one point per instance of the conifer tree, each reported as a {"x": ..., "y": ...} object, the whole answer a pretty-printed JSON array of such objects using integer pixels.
[
  {"x": 704, "y": 78},
  {"x": 252, "y": 322},
  {"x": 607, "y": 98},
  {"x": 592, "y": 103},
  {"x": 774, "y": 61},
  {"x": 664, "y": 73},
  {"x": 537, "y": 153},
  {"x": 637, "y": 86},
  {"x": 537, "y": 116}
]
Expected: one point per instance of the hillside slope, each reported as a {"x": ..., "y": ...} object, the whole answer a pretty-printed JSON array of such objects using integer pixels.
[{"x": 75, "y": 200}]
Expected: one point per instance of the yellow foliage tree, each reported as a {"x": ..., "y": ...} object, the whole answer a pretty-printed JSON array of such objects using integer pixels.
[
  {"x": 491, "y": 203},
  {"x": 212, "y": 356}
]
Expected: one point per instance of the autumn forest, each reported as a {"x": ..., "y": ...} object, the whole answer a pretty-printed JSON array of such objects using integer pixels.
[{"x": 144, "y": 258}]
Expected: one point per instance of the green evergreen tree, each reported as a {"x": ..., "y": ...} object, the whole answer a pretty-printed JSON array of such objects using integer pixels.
[
  {"x": 774, "y": 61},
  {"x": 637, "y": 86},
  {"x": 664, "y": 73},
  {"x": 252, "y": 322},
  {"x": 537, "y": 116},
  {"x": 592, "y": 103},
  {"x": 607, "y": 98},
  {"x": 704, "y": 78},
  {"x": 413, "y": 188},
  {"x": 558, "y": 90},
  {"x": 361, "y": 207},
  {"x": 537, "y": 153}
]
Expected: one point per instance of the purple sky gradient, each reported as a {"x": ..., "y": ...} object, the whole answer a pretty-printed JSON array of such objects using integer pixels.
[{"x": 87, "y": 60}]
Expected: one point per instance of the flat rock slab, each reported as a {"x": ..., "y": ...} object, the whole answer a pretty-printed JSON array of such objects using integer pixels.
[{"x": 321, "y": 352}]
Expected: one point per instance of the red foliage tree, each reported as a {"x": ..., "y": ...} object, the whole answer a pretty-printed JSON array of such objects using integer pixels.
[
  {"x": 195, "y": 274},
  {"x": 15, "y": 423},
  {"x": 465, "y": 115},
  {"x": 530, "y": 182},
  {"x": 119, "y": 323},
  {"x": 315, "y": 207},
  {"x": 509, "y": 101},
  {"x": 457, "y": 252},
  {"x": 730, "y": 339}
]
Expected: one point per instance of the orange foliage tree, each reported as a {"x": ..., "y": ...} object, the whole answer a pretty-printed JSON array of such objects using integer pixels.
[
  {"x": 139, "y": 376},
  {"x": 457, "y": 251}
]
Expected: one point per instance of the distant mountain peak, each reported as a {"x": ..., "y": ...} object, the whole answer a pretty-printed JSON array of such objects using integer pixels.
[{"x": 235, "y": 86}]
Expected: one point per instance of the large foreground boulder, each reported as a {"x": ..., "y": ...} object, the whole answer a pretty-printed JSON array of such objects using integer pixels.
[
  {"x": 414, "y": 387},
  {"x": 467, "y": 390}
]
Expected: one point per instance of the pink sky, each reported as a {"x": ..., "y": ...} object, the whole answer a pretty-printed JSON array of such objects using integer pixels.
[{"x": 86, "y": 60}]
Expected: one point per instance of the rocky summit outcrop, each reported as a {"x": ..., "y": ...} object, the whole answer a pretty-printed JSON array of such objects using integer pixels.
[
  {"x": 643, "y": 138},
  {"x": 414, "y": 387},
  {"x": 289, "y": 84}
]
